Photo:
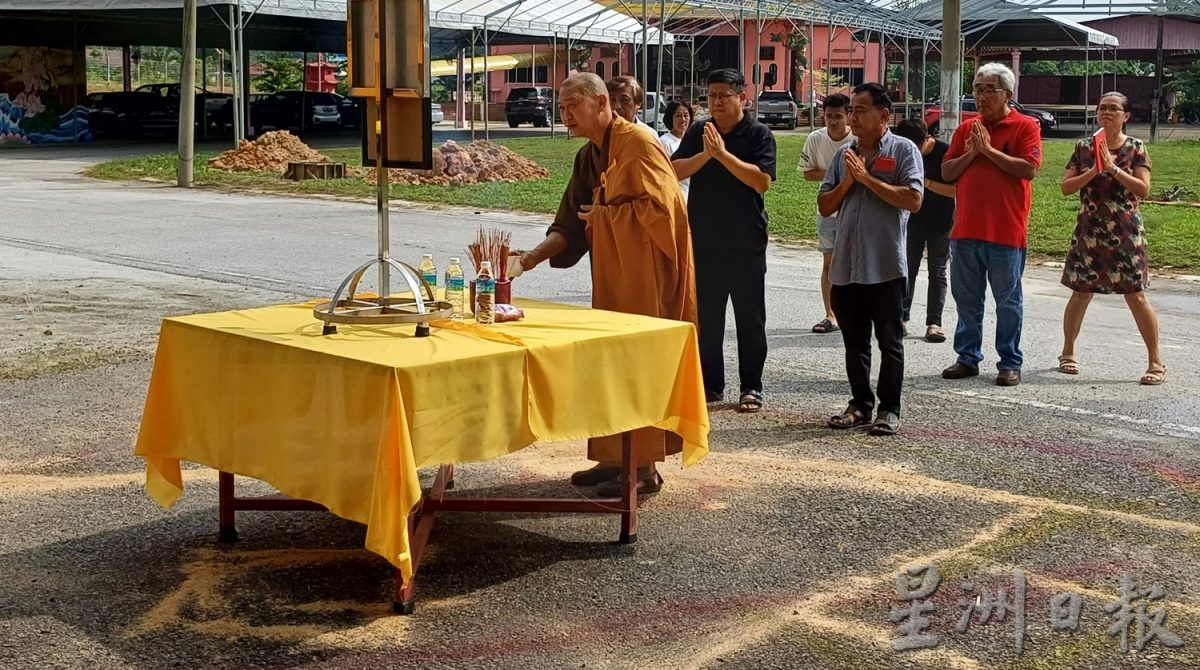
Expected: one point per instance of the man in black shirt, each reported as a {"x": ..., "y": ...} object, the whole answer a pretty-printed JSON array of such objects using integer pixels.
[
  {"x": 731, "y": 161},
  {"x": 929, "y": 228}
]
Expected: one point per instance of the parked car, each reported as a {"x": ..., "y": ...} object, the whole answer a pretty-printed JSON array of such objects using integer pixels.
[
  {"x": 284, "y": 110},
  {"x": 436, "y": 113},
  {"x": 659, "y": 122},
  {"x": 536, "y": 105},
  {"x": 777, "y": 108},
  {"x": 349, "y": 111},
  {"x": 154, "y": 109},
  {"x": 1046, "y": 120}
]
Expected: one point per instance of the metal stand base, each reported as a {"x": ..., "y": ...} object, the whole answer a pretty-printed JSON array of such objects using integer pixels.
[{"x": 420, "y": 524}]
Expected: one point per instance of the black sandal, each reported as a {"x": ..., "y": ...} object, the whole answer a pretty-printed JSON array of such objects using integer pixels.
[
  {"x": 851, "y": 418},
  {"x": 825, "y": 326},
  {"x": 750, "y": 402},
  {"x": 887, "y": 423}
]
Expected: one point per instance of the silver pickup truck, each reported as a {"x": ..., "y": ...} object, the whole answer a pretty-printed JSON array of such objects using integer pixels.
[{"x": 777, "y": 108}]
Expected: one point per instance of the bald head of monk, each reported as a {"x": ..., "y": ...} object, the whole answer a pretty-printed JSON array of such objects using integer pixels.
[{"x": 584, "y": 105}]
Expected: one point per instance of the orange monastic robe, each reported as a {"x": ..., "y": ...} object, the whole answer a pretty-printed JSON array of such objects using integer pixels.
[{"x": 641, "y": 249}]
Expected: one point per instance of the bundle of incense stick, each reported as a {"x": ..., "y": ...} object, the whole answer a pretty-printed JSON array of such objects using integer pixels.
[{"x": 491, "y": 245}]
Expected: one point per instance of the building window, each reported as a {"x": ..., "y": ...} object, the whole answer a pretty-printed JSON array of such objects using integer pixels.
[
  {"x": 543, "y": 74},
  {"x": 600, "y": 69},
  {"x": 766, "y": 53},
  {"x": 853, "y": 76},
  {"x": 518, "y": 75},
  {"x": 616, "y": 69}
]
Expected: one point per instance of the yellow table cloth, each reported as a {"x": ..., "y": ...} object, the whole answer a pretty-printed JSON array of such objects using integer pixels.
[{"x": 346, "y": 420}]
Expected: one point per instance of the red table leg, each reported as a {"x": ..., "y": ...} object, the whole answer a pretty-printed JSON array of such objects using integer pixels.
[{"x": 227, "y": 531}]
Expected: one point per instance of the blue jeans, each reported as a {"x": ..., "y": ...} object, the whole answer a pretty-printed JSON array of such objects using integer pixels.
[{"x": 973, "y": 265}]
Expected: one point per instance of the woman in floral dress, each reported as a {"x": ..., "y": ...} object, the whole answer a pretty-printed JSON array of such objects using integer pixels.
[{"x": 1108, "y": 251}]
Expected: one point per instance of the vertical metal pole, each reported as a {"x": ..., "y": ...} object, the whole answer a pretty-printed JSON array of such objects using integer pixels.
[
  {"x": 1158, "y": 81},
  {"x": 812, "y": 81},
  {"x": 1087, "y": 81},
  {"x": 554, "y": 84},
  {"x": 382, "y": 183},
  {"x": 645, "y": 74},
  {"x": 757, "y": 55},
  {"x": 829, "y": 58},
  {"x": 204, "y": 87},
  {"x": 692, "y": 74},
  {"x": 907, "y": 79},
  {"x": 487, "y": 84},
  {"x": 304, "y": 92},
  {"x": 951, "y": 67},
  {"x": 742, "y": 41},
  {"x": 473, "y": 100},
  {"x": 460, "y": 93},
  {"x": 924, "y": 74},
  {"x": 187, "y": 98},
  {"x": 662, "y": 20}
]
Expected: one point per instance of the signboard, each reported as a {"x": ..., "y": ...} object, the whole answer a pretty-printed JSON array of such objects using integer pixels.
[{"x": 389, "y": 72}]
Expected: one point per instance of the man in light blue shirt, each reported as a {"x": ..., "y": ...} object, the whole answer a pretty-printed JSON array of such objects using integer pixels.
[{"x": 873, "y": 184}]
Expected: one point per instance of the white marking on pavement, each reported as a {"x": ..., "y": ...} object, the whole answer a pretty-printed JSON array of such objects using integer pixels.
[{"x": 1166, "y": 427}]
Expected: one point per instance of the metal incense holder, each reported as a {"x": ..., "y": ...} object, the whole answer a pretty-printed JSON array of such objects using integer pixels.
[{"x": 421, "y": 308}]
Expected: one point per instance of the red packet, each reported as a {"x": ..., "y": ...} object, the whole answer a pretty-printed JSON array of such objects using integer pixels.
[
  {"x": 1098, "y": 144},
  {"x": 885, "y": 164}
]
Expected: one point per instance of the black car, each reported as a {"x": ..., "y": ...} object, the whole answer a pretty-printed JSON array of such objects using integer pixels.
[
  {"x": 536, "y": 105},
  {"x": 1045, "y": 119},
  {"x": 153, "y": 109}
]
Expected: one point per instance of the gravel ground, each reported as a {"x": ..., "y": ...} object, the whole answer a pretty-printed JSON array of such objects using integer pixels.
[{"x": 778, "y": 551}]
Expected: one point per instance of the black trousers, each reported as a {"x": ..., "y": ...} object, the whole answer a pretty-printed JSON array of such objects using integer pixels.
[
  {"x": 859, "y": 307},
  {"x": 939, "y": 260},
  {"x": 740, "y": 275}
]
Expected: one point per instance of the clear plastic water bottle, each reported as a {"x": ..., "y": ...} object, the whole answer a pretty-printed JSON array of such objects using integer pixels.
[
  {"x": 455, "y": 281},
  {"x": 485, "y": 294},
  {"x": 429, "y": 271}
]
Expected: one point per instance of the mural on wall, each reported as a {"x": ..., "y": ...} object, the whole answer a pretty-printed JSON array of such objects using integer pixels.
[{"x": 41, "y": 96}]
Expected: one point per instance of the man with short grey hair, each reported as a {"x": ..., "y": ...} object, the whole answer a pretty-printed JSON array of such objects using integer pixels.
[{"x": 993, "y": 159}]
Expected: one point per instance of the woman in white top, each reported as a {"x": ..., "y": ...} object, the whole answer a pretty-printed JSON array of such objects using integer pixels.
[{"x": 679, "y": 115}]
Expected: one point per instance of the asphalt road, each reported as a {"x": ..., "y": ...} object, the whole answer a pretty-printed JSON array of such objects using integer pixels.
[{"x": 779, "y": 550}]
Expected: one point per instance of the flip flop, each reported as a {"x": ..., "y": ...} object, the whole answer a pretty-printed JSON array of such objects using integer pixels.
[{"x": 825, "y": 326}]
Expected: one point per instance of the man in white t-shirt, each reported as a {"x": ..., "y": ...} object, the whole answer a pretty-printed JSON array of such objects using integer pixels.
[
  {"x": 625, "y": 94},
  {"x": 819, "y": 149}
]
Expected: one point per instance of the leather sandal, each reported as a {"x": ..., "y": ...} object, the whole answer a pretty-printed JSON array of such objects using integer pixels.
[
  {"x": 596, "y": 475},
  {"x": 651, "y": 483},
  {"x": 851, "y": 418},
  {"x": 1067, "y": 365},
  {"x": 887, "y": 423},
  {"x": 935, "y": 334},
  {"x": 1155, "y": 375},
  {"x": 750, "y": 402}
]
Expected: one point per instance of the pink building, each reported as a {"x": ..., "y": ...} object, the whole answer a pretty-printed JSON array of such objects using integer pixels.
[{"x": 843, "y": 57}]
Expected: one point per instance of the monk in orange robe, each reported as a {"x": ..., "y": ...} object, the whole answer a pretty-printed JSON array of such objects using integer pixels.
[{"x": 635, "y": 227}]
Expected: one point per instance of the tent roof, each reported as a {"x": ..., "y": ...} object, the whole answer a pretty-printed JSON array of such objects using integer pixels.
[
  {"x": 1018, "y": 23},
  {"x": 585, "y": 20}
]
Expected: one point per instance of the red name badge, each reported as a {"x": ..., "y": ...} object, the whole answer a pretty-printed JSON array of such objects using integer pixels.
[{"x": 885, "y": 164}]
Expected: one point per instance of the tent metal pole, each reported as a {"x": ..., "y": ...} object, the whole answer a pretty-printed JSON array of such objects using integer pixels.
[
  {"x": 1158, "y": 81},
  {"x": 474, "y": 50},
  {"x": 487, "y": 135},
  {"x": 812, "y": 81},
  {"x": 1087, "y": 80},
  {"x": 554, "y": 83},
  {"x": 757, "y": 66},
  {"x": 645, "y": 75},
  {"x": 662, "y": 20}
]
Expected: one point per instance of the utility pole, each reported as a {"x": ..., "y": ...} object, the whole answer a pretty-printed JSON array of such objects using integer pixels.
[{"x": 187, "y": 97}]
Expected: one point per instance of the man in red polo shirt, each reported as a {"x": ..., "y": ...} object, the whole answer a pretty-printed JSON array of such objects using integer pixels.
[{"x": 992, "y": 160}]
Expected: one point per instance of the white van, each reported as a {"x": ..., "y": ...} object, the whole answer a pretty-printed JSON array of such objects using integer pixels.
[{"x": 660, "y": 124}]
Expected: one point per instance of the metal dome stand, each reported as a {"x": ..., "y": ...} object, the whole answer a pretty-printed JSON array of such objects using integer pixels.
[{"x": 422, "y": 308}]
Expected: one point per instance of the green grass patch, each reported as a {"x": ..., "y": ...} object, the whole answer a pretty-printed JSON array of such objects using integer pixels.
[{"x": 1173, "y": 231}]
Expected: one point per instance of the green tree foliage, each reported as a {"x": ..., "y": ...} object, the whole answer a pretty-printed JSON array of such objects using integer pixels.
[{"x": 280, "y": 72}]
